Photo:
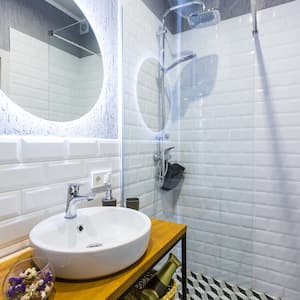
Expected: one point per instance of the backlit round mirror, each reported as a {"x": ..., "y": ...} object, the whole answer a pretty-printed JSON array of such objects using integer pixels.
[
  {"x": 50, "y": 60},
  {"x": 153, "y": 95}
]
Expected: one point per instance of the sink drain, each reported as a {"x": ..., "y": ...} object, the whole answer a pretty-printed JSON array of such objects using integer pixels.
[
  {"x": 80, "y": 228},
  {"x": 94, "y": 245}
]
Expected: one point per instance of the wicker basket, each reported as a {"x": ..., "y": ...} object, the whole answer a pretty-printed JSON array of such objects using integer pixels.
[{"x": 134, "y": 294}]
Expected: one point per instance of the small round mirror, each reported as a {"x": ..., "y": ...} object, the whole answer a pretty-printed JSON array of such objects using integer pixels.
[
  {"x": 152, "y": 94},
  {"x": 50, "y": 60}
]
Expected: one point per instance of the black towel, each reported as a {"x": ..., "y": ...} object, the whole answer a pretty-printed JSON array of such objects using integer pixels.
[{"x": 173, "y": 176}]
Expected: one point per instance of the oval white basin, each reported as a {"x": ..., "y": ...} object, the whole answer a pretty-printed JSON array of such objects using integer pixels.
[{"x": 98, "y": 242}]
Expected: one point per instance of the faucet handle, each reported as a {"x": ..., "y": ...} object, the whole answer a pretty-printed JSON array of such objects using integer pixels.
[{"x": 73, "y": 189}]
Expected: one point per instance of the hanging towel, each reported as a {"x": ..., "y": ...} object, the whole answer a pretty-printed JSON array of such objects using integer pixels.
[{"x": 173, "y": 177}]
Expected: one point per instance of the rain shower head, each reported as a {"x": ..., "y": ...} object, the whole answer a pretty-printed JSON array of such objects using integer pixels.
[
  {"x": 204, "y": 18},
  {"x": 196, "y": 14}
]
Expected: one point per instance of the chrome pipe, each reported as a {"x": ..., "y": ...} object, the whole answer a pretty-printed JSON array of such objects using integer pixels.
[
  {"x": 66, "y": 27},
  {"x": 74, "y": 44},
  {"x": 180, "y": 60},
  {"x": 254, "y": 16},
  {"x": 162, "y": 33}
]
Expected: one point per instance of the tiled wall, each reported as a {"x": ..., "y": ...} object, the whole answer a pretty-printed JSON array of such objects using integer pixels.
[
  {"x": 148, "y": 93},
  {"x": 240, "y": 144},
  {"x": 139, "y": 142},
  {"x": 36, "y": 170},
  {"x": 50, "y": 82},
  {"x": 90, "y": 83},
  {"x": 217, "y": 149},
  {"x": 34, "y": 174},
  {"x": 277, "y": 159}
]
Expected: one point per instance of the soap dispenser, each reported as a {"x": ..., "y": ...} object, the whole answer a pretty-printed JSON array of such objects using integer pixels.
[{"x": 109, "y": 200}]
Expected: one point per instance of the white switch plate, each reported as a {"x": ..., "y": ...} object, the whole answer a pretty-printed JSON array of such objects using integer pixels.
[{"x": 100, "y": 178}]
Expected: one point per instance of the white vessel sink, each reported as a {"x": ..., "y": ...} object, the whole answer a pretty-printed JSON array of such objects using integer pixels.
[{"x": 98, "y": 242}]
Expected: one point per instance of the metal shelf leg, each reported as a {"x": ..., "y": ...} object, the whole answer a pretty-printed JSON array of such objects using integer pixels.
[{"x": 183, "y": 270}]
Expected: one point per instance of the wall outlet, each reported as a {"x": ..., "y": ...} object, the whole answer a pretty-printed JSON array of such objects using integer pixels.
[{"x": 100, "y": 178}]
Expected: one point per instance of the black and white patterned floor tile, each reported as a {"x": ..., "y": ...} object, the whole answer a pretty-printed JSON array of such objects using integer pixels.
[{"x": 203, "y": 287}]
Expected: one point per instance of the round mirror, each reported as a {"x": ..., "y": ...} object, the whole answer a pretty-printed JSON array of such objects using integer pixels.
[
  {"x": 50, "y": 60},
  {"x": 153, "y": 96}
]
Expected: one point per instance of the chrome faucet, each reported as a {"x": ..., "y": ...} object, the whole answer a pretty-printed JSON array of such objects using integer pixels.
[{"x": 73, "y": 198}]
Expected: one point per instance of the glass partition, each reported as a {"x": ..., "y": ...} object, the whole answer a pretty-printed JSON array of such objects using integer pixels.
[{"x": 206, "y": 81}]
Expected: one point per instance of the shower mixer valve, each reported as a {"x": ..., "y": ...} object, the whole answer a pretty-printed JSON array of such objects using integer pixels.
[{"x": 167, "y": 156}]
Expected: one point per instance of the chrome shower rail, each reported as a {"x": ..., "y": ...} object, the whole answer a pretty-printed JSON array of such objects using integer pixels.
[
  {"x": 73, "y": 43},
  {"x": 161, "y": 163},
  {"x": 66, "y": 27}
]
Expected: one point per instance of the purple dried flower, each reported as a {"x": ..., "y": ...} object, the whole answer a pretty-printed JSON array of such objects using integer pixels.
[
  {"x": 20, "y": 287},
  {"x": 48, "y": 277},
  {"x": 15, "y": 280},
  {"x": 14, "y": 289},
  {"x": 42, "y": 287},
  {"x": 42, "y": 281},
  {"x": 10, "y": 292}
]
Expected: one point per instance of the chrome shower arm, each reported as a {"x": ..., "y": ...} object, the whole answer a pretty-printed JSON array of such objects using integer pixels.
[{"x": 180, "y": 60}]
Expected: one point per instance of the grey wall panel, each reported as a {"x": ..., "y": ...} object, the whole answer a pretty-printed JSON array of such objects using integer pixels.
[
  {"x": 36, "y": 18},
  {"x": 159, "y": 7},
  {"x": 228, "y": 9}
]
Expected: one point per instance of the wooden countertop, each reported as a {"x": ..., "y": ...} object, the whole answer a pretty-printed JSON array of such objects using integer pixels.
[{"x": 163, "y": 235}]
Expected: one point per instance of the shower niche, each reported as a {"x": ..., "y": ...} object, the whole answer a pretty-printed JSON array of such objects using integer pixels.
[{"x": 52, "y": 64}]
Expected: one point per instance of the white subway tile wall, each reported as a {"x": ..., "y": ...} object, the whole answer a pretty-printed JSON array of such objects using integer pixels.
[
  {"x": 62, "y": 79},
  {"x": 82, "y": 148},
  {"x": 9, "y": 205},
  {"x": 240, "y": 146},
  {"x": 36, "y": 187},
  {"x": 40, "y": 149},
  {"x": 138, "y": 145},
  {"x": 140, "y": 142},
  {"x": 240, "y": 197},
  {"x": 9, "y": 149}
]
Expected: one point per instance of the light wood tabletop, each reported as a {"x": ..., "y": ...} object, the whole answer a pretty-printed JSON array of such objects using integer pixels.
[{"x": 163, "y": 236}]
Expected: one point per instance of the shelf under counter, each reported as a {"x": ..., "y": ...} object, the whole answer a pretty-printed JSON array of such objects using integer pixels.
[{"x": 164, "y": 236}]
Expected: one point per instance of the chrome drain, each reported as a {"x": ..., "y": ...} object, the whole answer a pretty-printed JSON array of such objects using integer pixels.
[{"x": 94, "y": 245}]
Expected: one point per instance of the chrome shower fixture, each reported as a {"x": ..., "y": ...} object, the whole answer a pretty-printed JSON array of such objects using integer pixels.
[
  {"x": 199, "y": 19},
  {"x": 181, "y": 6},
  {"x": 196, "y": 18},
  {"x": 180, "y": 60},
  {"x": 84, "y": 28}
]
